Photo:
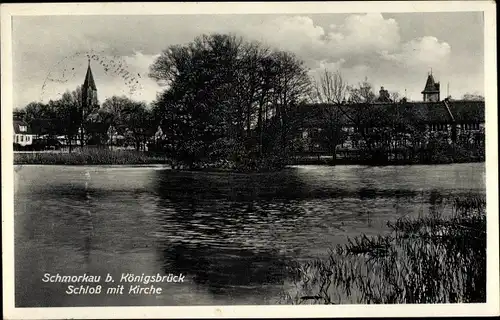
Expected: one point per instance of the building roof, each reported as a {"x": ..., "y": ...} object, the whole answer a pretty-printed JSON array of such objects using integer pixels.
[
  {"x": 41, "y": 126},
  {"x": 89, "y": 79},
  {"x": 380, "y": 114},
  {"x": 431, "y": 86},
  {"x": 17, "y": 127},
  {"x": 467, "y": 111},
  {"x": 427, "y": 111}
]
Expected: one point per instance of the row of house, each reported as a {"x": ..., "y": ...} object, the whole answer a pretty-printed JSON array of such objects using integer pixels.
[
  {"x": 41, "y": 131},
  {"x": 381, "y": 120}
]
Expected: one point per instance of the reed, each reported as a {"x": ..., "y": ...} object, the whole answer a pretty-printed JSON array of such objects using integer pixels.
[
  {"x": 90, "y": 157},
  {"x": 429, "y": 259}
]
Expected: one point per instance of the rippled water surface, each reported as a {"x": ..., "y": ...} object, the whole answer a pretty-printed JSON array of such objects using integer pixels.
[{"x": 232, "y": 235}]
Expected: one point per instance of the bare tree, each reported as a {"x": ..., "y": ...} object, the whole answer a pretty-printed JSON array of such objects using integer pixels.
[
  {"x": 363, "y": 93},
  {"x": 331, "y": 88},
  {"x": 395, "y": 97},
  {"x": 330, "y": 91}
]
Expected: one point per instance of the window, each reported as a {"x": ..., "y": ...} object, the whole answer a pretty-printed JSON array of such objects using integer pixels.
[
  {"x": 22, "y": 139},
  {"x": 23, "y": 128},
  {"x": 470, "y": 126}
]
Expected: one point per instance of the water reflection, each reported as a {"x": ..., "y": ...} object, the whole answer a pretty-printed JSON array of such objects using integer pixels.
[
  {"x": 226, "y": 272},
  {"x": 223, "y": 232},
  {"x": 233, "y": 235}
]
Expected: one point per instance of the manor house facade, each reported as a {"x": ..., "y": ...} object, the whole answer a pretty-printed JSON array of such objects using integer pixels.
[{"x": 348, "y": 127}]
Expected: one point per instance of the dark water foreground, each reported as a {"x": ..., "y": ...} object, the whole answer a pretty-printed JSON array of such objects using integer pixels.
[{"x": 233, "y": 236}]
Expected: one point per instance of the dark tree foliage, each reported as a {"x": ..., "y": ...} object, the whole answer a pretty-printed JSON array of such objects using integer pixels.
[{"x": 228, "y": 100}]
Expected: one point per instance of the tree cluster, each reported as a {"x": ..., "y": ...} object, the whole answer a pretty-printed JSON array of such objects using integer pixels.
[
  {"x": 65, "y": 116},
  {"x": 230, "y": 100},
  {"x": 93, "y": 125}
]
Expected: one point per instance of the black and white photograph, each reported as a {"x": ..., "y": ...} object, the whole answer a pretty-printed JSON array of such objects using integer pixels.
[{"x": 291, "y": 157}]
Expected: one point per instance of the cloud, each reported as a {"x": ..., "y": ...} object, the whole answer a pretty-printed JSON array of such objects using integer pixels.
[
  {"x": 358, "y": 35},
  {"x": 294, "y": 33},
  {"x": 114, "y": 75},
  {"x": 392, "y": 52},
  {"x": 365, "y": 46},
  {"x": 365, "y": 34},
  {"x": 422, "y": 52}
]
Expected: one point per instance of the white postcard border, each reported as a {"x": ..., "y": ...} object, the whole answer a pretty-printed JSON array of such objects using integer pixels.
[{"x": 491, "y": 307}]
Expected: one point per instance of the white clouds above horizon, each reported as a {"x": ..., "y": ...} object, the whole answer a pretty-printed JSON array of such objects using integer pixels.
[
  {"x": 359, "y": 45},
  {"x": 363, "y": 46}
]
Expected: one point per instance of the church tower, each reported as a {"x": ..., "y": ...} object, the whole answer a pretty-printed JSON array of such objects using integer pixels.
[
  {"x": 431, "y": 90},
  {"x": 89, "y": 92}
]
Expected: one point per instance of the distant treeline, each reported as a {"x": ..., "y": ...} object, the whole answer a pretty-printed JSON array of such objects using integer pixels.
[{"x": 227, "y": 101}]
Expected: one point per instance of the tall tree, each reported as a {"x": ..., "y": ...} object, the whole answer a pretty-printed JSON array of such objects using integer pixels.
[
  {"x": 291, "y": 87},
  {"x": 68, "y": 115},
  {"x": 112, "y": 113},
  {"x": 139, "y": 123},
  {"x": 330, "y": 91},
  {"x": 222, "y": 93},
  {"x": 40, "y": 118}
]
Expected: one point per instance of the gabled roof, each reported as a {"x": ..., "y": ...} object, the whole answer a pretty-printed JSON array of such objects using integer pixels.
[
  {"x": 431, "y": 86},
  {"x": 89, "y": 80},
  {"x": 429, "y": 112},
  {"x": 17, "y": 127},
  {"x": 467, "y": 111}
]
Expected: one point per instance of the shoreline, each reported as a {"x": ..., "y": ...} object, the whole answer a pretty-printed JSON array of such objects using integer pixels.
[
  {"x": 168, "y": 166},
  {"x": 360, "y": 163},
  {"x": 137, "y": 158}
]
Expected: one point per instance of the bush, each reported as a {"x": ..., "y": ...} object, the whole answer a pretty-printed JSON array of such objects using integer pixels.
[
  {"x": 431, "y": 259},
  {"x": 89, "y": 157}
]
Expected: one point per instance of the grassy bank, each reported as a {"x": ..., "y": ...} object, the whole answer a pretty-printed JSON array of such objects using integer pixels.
[
  {"x": 90, "y": 157},
  {"x": 430, "y": 259},
  {"x": 322, "y": 161}
]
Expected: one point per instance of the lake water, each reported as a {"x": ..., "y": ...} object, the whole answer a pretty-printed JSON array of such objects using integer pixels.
[{"x": 231, "y": 235}]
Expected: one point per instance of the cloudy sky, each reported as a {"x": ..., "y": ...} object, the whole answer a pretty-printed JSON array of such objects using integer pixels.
[{"x": 394, "y": 50}]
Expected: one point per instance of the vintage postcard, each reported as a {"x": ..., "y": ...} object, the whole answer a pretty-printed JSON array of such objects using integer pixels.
[{"x": 216, "y": 160}]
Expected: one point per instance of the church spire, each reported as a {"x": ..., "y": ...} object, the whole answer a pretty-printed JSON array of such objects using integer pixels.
[
  {"x": 89, "y": 91},
  {"x": 89, "y": 82}
]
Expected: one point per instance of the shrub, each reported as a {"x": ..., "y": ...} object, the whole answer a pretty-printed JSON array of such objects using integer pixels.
[
  {"x": 89, "y": 157},
  {"x": 430, "y": 259}
]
